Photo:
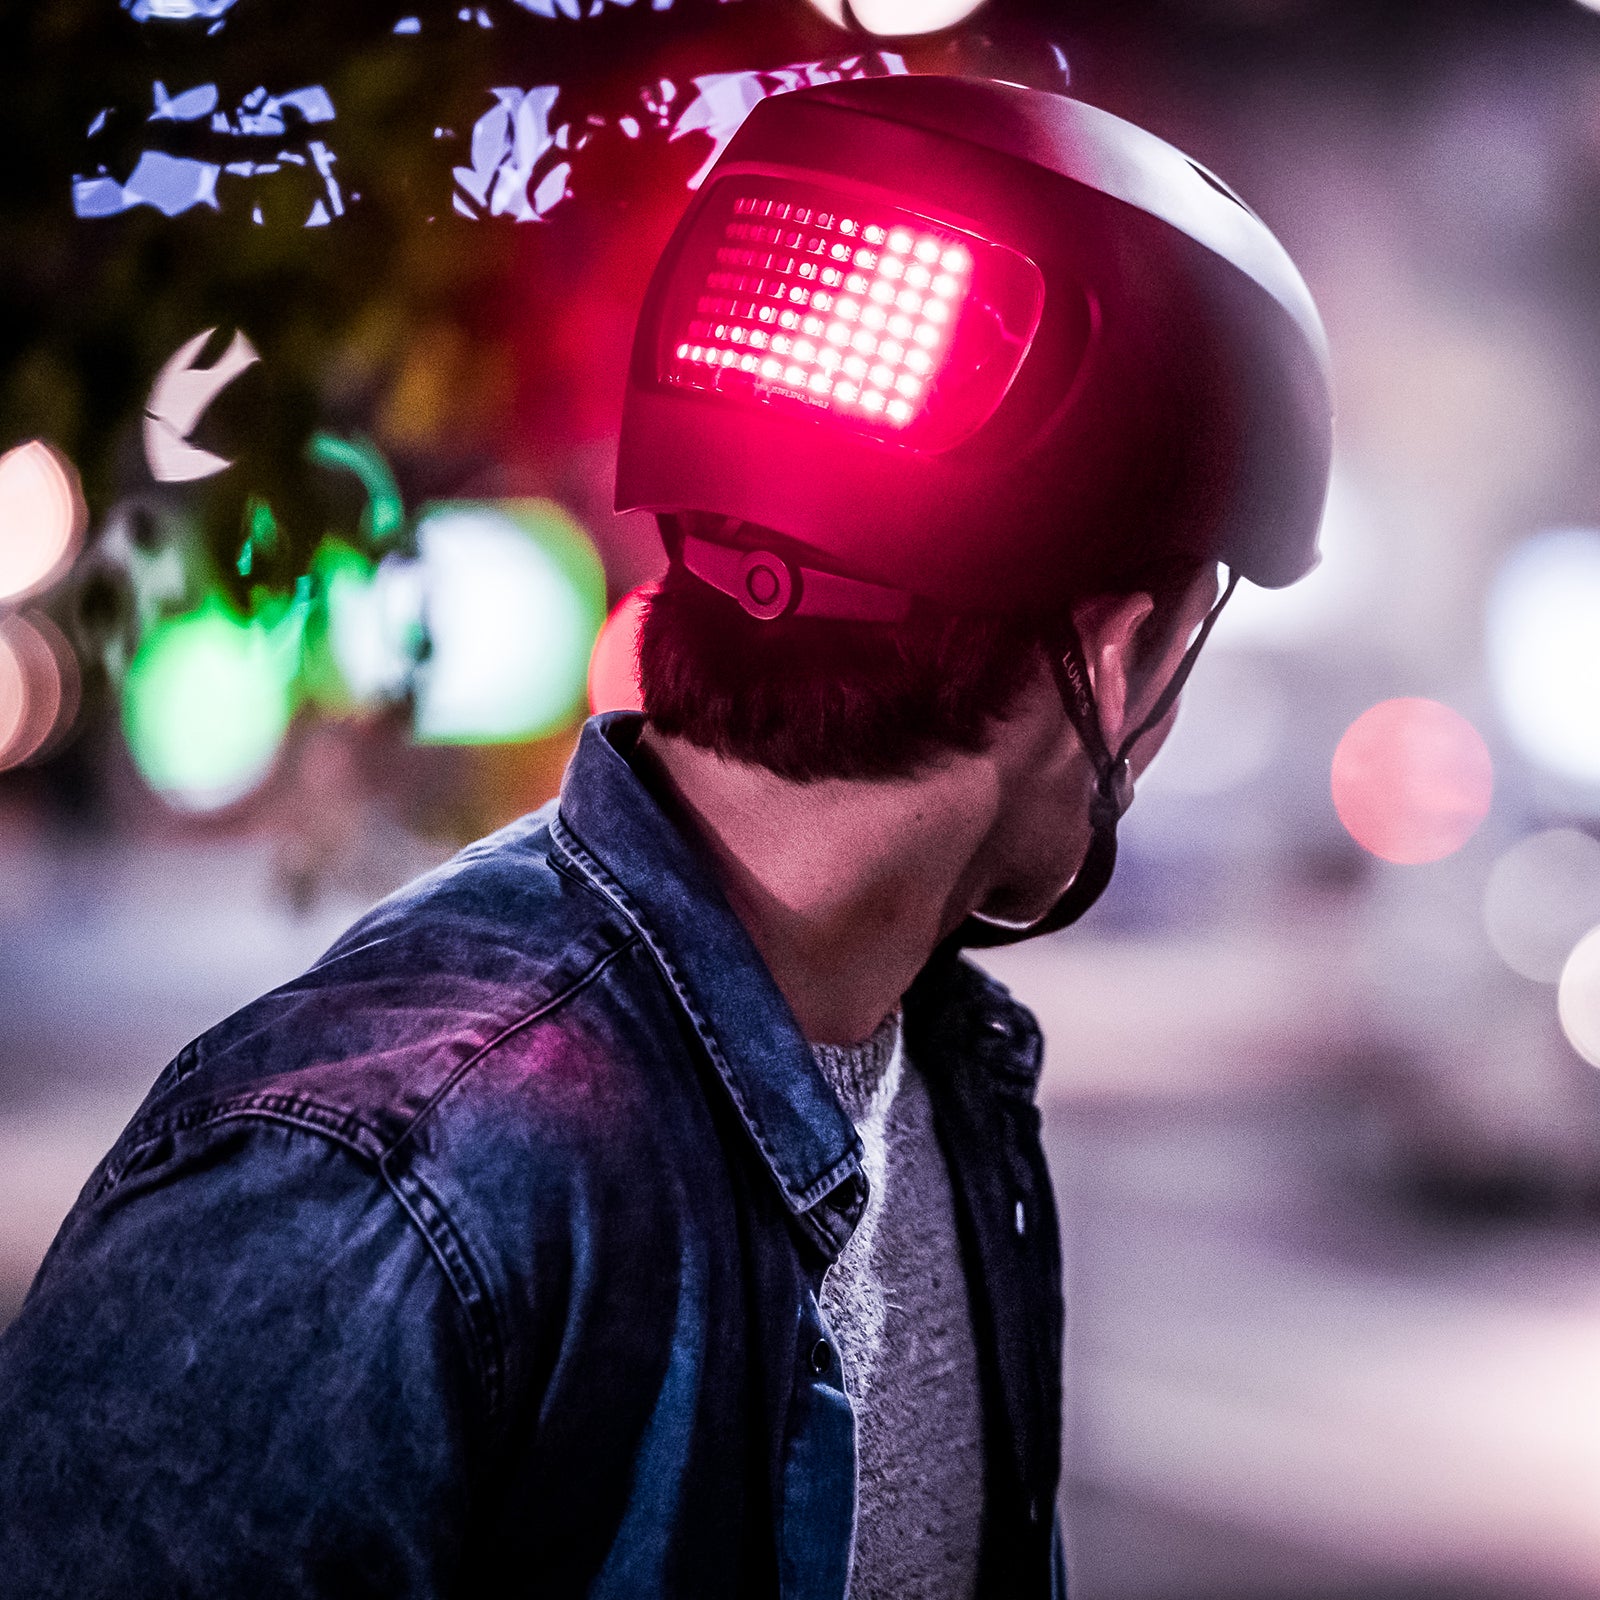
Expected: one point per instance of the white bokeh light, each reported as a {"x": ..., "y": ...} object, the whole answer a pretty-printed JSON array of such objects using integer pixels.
[
  {"x": 509, "y": 631},
  {"x": 1544, "y": 650},
  {"x": 1578, "y": 998},
  {"x": 373, "y": 625},
  {"x": 1542, "y": 895},
  {"x": 900, "y": 18},
  {"x": 38, "y": 686},
  {"x": 15, "y": 693}
]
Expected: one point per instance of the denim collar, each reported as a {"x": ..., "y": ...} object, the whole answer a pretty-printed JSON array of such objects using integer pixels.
[{"x": 615, "y": 834}]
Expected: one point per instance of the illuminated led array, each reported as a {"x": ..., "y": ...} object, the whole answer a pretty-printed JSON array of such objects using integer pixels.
[{"x": 836, "y": 310}]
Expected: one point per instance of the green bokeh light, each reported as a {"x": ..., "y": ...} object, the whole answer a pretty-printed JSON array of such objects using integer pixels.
[
  {"x": 385, "y": 514},
  {"x": 207, "y": 702},
  {"x": 261, "y": 534}
]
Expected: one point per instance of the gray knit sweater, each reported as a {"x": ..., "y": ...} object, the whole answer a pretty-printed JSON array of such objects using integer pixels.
[{"x": 896, "y": 1301}]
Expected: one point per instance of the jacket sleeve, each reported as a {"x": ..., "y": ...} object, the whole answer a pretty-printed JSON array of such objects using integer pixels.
[{"x": 241, "y": 1371}]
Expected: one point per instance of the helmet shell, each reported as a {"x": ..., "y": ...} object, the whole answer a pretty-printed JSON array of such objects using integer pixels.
[{"x": 1172, "y": 395}]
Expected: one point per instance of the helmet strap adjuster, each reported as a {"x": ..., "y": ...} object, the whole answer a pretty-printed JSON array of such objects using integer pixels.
[{"x": 768, "y": 585}]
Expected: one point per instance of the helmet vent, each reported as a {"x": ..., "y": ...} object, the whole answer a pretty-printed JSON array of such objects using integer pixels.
[{"x": 1221, "y": 188}]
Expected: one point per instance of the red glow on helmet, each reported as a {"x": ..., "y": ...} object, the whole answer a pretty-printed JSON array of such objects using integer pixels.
[{"x": 914, "y": 337}]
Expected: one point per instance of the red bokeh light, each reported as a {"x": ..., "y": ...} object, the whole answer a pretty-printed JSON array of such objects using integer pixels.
[
  {"x": 1412, "y": 780},
  {"x": 38, "y": 686},
  {"x": 614, "y": 665}
]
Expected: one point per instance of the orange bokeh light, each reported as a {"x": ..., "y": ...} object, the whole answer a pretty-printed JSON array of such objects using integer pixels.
[
  {"x": 1412, "y": 780},
  {"x": 614, "y": 665}
]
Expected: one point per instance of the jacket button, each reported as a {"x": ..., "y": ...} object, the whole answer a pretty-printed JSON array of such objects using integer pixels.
[
  {"x": 1022, "y": 1220},
  {"x": 822, "y": 1358}
]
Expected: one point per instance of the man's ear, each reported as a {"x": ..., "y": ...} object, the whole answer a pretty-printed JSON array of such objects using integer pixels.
[
  {"x": 1132, "y": 653},
  {"x": 1108, "y": 628}
]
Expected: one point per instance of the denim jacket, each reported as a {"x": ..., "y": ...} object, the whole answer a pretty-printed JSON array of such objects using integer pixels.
[{"x": 483, "y": 1258}]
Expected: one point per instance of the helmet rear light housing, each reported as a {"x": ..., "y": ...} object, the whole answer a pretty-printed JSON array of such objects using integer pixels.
[{"x": 792, "y": 295}]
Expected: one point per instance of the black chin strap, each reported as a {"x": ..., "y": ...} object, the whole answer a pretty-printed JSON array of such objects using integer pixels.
[{"x": 1113, "y": 792}]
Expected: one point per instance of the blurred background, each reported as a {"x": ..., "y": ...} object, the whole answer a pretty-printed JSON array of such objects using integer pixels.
[{"x": 312, "y": 329}]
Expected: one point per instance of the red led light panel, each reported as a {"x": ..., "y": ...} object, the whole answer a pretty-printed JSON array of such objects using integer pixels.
[{"x": 887, "y": 321}]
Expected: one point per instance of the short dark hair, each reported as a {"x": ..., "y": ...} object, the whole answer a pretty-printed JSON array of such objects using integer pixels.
[{"x": 811, "y": 698}]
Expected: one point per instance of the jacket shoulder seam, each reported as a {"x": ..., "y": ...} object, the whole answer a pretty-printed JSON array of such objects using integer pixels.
[
  {"x": 353, "y": 1133},
  {"x": 510, "y": 1030},
  {"x": 330, "y": 1124},
  {"x": 338, "y": 1126}
]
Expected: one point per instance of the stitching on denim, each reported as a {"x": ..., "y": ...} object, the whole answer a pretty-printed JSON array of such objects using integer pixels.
[
  {"x": 185, "y": 1063},
  {"x": 292, "y": 1110},
  {"x": 801, "y": 1199},
  {"x": 543, "y": 1009},
  {"x": 345, "y": 1129},
  {"x": 432, "y": 1220}
]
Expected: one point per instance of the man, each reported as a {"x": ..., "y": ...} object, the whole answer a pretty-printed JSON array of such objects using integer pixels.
[{"x": 650, "y": 1201}]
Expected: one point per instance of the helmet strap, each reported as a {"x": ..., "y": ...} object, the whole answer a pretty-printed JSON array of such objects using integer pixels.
[{"x": 1113, "y": 791}]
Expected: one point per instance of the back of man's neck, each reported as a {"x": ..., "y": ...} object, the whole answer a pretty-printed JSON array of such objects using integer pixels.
[{"x": 845, "y": 887}]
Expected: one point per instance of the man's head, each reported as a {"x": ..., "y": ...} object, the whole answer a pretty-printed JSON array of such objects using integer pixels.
[{"x": 950, "y": 396}]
